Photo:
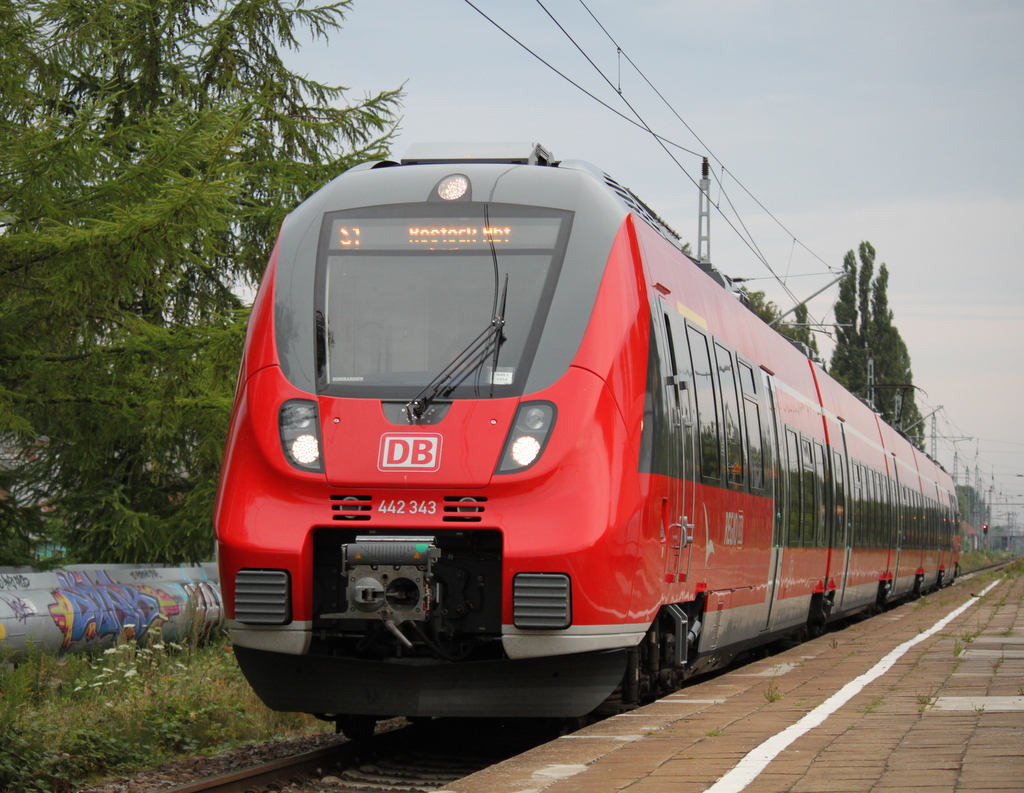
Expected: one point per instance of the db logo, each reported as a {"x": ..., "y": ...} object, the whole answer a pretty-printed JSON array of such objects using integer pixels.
[{"x": 409, "y": 452}]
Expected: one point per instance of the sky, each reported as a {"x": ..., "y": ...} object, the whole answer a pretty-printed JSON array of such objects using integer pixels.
[{"x": 826, "y": 124}]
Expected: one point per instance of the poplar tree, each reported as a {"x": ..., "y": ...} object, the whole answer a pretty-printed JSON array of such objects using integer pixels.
[
  {"x": 151, "y": 150},
  {"x": 865, "y": 330}
]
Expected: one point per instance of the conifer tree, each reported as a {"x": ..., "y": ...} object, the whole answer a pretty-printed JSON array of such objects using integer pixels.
[{"x": 151, "y": 150}]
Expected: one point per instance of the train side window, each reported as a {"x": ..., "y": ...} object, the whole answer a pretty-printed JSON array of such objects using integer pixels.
[
  {"x": 904, "y": 506},
  {"x": 911, "y": 532},
  {"x": 915, "y": 541},
  {"x": 888, "y": 533},
  {"x": 822, "y": 497},
  {"x": 885, "y": 521},
  {"x": 774, "y": 452},
  {"x": 707, "y": 405},
  {"x": 753, "y": 426},
  {"x": 796, "y": 536},
  {"x": 810, "y": 493},
  {"x": 876, "y": 510},
  {"x": 747, "y": 380},
  {"x": 891, "y": 491},
  {"x": 730, "y": 418},
  {"x": 922, "y": 521},
  {"x": 858, "y": 507},
  {"x": 840, "y": 516},
  {"x": 754, "y": 435},
  {"x": 872, "y": 488},
  {"x": 882, "y": 517}
]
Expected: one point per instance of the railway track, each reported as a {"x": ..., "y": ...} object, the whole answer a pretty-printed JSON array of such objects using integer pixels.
[{"x": 422, "y": 757}]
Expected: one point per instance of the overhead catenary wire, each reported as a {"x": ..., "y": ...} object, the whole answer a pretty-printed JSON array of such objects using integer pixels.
[
  {"x": 663, "y": 141},
  {"x": 689, "y": 129},
  {"x": 576, "y": 85},
  {"x": 746, "y": 236}
]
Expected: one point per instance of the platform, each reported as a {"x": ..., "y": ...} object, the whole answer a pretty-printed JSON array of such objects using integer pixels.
[{"x": 929, "y": 695}]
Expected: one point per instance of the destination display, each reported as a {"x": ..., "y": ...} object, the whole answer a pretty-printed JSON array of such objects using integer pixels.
[{"x": 451, "y": 233}]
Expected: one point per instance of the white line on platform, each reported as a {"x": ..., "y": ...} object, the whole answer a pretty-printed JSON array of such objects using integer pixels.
[{"x": 748, "y": 769}]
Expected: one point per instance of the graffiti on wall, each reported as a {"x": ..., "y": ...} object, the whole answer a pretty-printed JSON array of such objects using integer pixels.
[
  {"x": 68, "y": 610},
  {"x": 85, "y": 611}
]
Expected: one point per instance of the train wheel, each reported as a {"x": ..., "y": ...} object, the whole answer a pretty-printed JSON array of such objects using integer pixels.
[{"x": 356, "y": 727}]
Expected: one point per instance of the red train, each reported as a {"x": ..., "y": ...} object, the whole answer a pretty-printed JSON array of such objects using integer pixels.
[{"x": 500, "y": 449}]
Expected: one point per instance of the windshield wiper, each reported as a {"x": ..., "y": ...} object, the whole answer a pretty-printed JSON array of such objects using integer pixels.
[{"x": 464, "y": 364}]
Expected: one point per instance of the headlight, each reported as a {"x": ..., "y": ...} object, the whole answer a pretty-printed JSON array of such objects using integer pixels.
[
  {"x": 300, "y": 434},
  {"x": 528, "y": 437}
]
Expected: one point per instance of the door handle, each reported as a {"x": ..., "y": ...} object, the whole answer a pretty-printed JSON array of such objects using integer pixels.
[{"x": 685, "y": 531}]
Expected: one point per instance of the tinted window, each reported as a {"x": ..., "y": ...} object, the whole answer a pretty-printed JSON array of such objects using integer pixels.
[
  {"x": 820, "y": 496},
  {"x": 840, "y": 524},
  {"x": 754, "y": 435},
  {"x": 707, "y": 408},
  {"x": 796, "y": 537},
  {"x": 730, "y": 418},
  {"x": 809, "y": 494}
]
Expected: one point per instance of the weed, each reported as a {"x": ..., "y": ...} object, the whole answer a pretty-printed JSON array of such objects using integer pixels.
[
  {"x": 872, "y": 706},
  {"x": 1015, "y": 569},
  {"x": 958, "y": 648},
  {"x": 833, "y": 643},
  {"x": 715, "y": 733},
  {"x": 772, "y": 693}
]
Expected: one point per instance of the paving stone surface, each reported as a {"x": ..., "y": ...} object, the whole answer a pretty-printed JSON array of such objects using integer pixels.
[{"x": 947, "y": 717}]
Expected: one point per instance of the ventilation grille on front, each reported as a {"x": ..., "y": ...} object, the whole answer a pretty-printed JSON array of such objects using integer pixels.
[
  {"x": 454, "y": 509},
  {"x": 351, "y": 507},
  {"x": 541, "y": 601},
  {"x": 263, "y": 597},
  {"x": 463, "y": 509}
]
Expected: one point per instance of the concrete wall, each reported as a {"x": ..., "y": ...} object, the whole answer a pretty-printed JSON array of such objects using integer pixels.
[{"x": 88, "y": 606}]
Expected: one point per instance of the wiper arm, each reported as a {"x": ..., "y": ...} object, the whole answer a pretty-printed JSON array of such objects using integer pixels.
[
  {"x": 499, "y": 332},
  {"x": 466, "y": 362}
]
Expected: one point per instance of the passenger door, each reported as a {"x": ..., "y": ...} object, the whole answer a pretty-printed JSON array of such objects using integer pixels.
[
  {"x": 843, "y": 536},
  {"x": 680, "y": 506},
  {"x": 777, "y": 490}
]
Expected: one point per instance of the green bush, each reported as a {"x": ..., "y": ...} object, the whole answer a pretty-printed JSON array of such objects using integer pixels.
[{"x": 65, "y": 721}]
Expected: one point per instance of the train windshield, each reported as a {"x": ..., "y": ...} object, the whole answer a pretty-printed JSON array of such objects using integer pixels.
[{"x": 403, "y": 290}]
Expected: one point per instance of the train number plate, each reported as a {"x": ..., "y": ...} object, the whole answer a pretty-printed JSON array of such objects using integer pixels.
[{"x": 401, "y": 507}]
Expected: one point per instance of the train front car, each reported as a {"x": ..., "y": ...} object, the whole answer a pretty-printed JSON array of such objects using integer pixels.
[{"x": 430, "y": 502}]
